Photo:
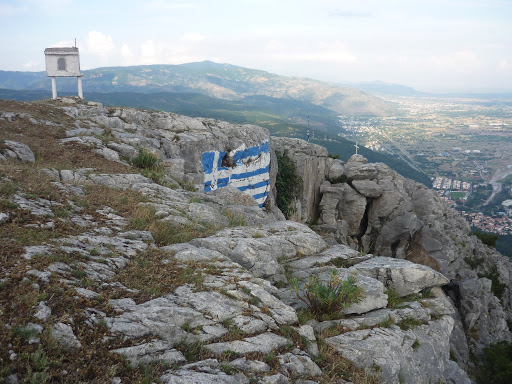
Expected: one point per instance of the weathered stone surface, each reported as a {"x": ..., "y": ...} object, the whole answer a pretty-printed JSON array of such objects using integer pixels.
[
  {"x": 338, "y": 255},
  {"x": 298, "y": 365},
  {"x": 336, "y": 169},
  {"x": 353, "y": 208},
  {"x": 253, "y": 366},
  {"x": 123, "y": 149},
  {"x": 260, "y": 250},
  {"x": 4, "y": 217},
  {"x": 43, "y": 312},
  {"x": 311, "y": 161},
  {"x": 355, "y": 170},
  {"x": 402, "y": 276},
  {"x": 107, "y": 153},
  {"x": 184, "y": 376},
  {"x": 367, "y": 188},
  {"x": 263, "y": 343},
  {"x": 19, "y": 151},
  {"x": 122, "y": 181},
  {"x": 150, "y": 352},
  {"x": 416, "y": 355},
  {"x": 64, "y": 335}
]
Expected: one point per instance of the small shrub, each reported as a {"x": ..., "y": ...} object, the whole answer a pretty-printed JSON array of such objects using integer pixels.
[
  {"x": 497, "y": 288},
  {"x": 191, "y": 351},
  {"x": 78, "y": 273},
  {"x": 227, "y": 369},
  {"x": 338, "y": 262},
  {"x": 236, "y": 219},
  {"x": 327, "y": 301},
  {"x": 333, "y": 156},
  {"x": 338, "y": 180},
  {"x": 409, "y": 323},
  {"x": 145, "y": 159},
  {"x": 394, "y": 300},
  {"x": 287, "y": 184},
  {"x": 473, "y": 261},
  {"x": 416, "y": 344},
  {"x": 497, "y": 364},
  {"x": 385, "y": 323},
  {"x": 487, "y": 238}
]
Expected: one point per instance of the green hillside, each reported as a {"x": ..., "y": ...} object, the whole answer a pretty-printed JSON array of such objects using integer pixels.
[{"x": 221, "y": 81}]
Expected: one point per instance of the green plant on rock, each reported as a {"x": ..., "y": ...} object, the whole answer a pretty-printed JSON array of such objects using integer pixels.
[
  {"x": 497, "y": 364},
  {"x": 327, "y": 301},
  {"x": 498, "y": 288},
  {"x": 338, "y": 180},
  {"x": 287, "y": 184},
  {"x": 487, "y": 238},
  {"x": 145, "y": 159}
]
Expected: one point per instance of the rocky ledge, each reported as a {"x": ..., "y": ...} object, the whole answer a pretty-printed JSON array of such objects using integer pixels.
[{"x": 110, "y": 275}]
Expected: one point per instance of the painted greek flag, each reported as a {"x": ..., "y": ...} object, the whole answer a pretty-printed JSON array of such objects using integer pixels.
[{"x": 244, "y": 168}]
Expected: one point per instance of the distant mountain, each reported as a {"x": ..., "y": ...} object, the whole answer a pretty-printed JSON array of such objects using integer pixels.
[
  {"x": 222, "y": 81},
  {"x": 381, "y": 88}
]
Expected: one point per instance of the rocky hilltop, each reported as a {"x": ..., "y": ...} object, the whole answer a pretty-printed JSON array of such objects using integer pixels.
[{"x": 143, "y": 246}]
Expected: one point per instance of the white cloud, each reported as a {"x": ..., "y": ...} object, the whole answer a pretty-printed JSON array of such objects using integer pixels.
[
  {"x": 32, "y": 65},
  {"x": 98, "y": 43},
  {"x": 463, "y": 61},
  {"x": 163, "y": 5},
  {"x": 49, "y": 4},
  {"x": 326, "y": 52},
  {"x": 504, "y": 64},
  {"x": 10, "y": 10},
  {"x": 194, "y": 37},
  {"x": 127, "y": 54}
]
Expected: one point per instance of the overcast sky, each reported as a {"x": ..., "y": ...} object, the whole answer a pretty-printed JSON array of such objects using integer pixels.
[{"x": 432, "y": 45}]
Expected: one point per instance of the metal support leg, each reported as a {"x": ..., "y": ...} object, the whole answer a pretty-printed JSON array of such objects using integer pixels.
[
  {"x": 80, "y": 94},
  {"x": 54, "y": 88}
]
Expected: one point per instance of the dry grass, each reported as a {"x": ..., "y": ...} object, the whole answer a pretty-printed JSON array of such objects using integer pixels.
[
  {"x": 147, "y": 273},
  {"x": 44, "y": 139},
  {"x": 167, "y": 232},
  {"x": 336, "y": 368},
  {"x": 46, "y": 362}
]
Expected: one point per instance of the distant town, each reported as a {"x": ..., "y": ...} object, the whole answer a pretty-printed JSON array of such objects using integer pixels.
[{"x": 463, "y": 145}]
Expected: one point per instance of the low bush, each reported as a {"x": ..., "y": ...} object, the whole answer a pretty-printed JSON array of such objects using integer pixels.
[
  {"x": 287, "y": 184},
  {"x": 496, "y": 367},
  {"x": 498, "y": 288},
  {"x": 145, "y": 159},
  {"x": 338, "y": 180},
  {"x": 327, "y": 301},
  {"x": 487, "y": 238}
]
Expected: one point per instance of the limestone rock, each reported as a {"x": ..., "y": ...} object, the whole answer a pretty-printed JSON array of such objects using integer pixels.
[
  {"x": 336, "y": 169},
  {"x": 43, "y": 312},
  {"x": 263, "y": 343},
  {"x": 402, "y": 276},
  {"x": 150, "y": 352},
  {"x": 367, "y": 188},
  {"x": 311, "y": 161},
  {"x": 19, "y": 151},
  {"x": 415, "y": 355},
  {"x": 64, "y": 335},
  {"x": 298, "y": 365}
]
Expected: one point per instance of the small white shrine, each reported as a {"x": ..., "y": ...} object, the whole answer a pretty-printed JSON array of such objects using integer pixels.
[{"x": 63, "y": 62}]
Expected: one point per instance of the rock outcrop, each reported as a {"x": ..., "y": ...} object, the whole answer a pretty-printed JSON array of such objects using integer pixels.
[{"x": 185, "y": 268}]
